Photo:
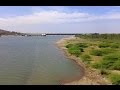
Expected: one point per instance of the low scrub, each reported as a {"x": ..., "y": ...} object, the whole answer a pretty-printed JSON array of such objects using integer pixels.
[
  {"x": 115, "y": 79},
  {"x": 101, "y": 52},
  {"x": 86, "y": 58},
  {"x": 74, "y": 51},
  {"x": 116, "y": 65},
  {"x": 104, "y": 72},
  {"x": 103, "y": 45},
  {"x": 82, "y": 45},
  {"x": 69, "y": 45},
  {"x": 111, "y": 62},
  {"x": 96, "y": 52},
  {"x": 115, "y": 45}
]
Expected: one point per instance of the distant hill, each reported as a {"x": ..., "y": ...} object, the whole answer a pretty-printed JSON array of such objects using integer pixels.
[{"x": 4, "y": 32}]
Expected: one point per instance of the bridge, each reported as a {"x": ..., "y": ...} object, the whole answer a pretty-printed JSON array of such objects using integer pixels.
[{"x": 45, "y": 34}]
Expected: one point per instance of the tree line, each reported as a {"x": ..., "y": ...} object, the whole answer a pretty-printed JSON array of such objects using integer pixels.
[{"x": 99, "y": 36}]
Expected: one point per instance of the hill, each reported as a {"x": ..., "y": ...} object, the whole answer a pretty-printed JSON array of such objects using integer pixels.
[{"x": 4, "y": 32}]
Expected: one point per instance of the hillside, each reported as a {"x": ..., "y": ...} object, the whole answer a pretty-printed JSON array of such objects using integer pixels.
[{"x": 4, "y": 32}]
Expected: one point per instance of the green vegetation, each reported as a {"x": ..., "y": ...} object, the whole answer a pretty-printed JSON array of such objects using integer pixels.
[
  {"x": 104, "y": 72},
  {"x": 86, "y": 58},
  {"x": 96, "y": 52},
  {"x": 99, "y": 51},
  {"x": 115, "y": 79},
  {"x": 76, "y": 49},
  {"x": 104, "y": 45},
  {"x": 115, "y": 45},
  {"x": 69, "y": 45}
]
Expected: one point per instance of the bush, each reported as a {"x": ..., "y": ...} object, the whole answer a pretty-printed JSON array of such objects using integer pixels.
[
  {"x": 112, "y": 57},
  {"x": 111, "y": 62},
  {"x": 101, "y": 52},
  {"x": 115, "y": 79},
  {"x": 69, "y": 45},
  {"x": 96, "y": 65},
  {"x": 81, "y": 49},
  {"x": 107, "y": 51},
  {"x": 107, "y": 64},
  {"x": 74, "y": 51},
  {"x": 114, "y": 45},
  {"x": 104, "y": 72},
  {"x": 86, "y": 58},
  {"x": 104, "y": 45},
  {"x": 96, "y": 52},
  {"x": 83, "y": 45},
  {"x": 116, "y": 65}
]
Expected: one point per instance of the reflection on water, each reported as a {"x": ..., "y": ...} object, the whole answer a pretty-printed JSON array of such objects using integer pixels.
[{"x": 34, "y": 60}]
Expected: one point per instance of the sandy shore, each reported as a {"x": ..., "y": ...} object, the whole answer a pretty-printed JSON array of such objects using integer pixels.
[{"x": 90, "y": 76}]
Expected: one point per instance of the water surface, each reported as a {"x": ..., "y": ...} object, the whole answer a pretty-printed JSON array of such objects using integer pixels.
[{"x": 34, "y": 60}]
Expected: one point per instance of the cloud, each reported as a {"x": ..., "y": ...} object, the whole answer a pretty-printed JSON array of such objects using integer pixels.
[{"x": 55, "y": 17}]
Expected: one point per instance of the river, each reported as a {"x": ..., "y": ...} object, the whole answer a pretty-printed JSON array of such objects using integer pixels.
[{"x": 34, "y": 61}]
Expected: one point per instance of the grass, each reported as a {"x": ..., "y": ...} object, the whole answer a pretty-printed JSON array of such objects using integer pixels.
[
  {"x": 103, "y": 45},
  {"x": 111, "y": 62},
  {"x": 76, "y": 49},
  {"x": 99, "y": 54},
  {"x": 115, "y": 78},
  {"x": 96, "y": 52},
  {"x": 104, "y": 72},
  {"x": 115, "y": 45},
  {"x": 116, "y": 65},
  {"x": 86, "y": 58}
]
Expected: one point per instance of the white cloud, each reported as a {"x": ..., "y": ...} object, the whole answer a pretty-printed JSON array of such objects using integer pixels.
[{"x": 54, "y": 17}]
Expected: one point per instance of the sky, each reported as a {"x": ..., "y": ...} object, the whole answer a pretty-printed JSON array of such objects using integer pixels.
[{"x": 60, "y": 19}]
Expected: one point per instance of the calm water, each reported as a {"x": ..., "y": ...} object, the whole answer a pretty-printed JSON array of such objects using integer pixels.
[{"x": 34, "y": 60}]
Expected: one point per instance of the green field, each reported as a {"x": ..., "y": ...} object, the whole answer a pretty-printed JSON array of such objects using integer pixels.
[{"x": 98, "y": 51}]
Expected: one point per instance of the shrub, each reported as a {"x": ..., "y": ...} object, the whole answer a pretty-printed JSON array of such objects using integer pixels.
[
  {"x": 96, "y": 65},
  {"x": 104, "y": 45},
  {"x": 115, "y": 79},
  {"x": 107, "y": 64},
  {"x": 101, "y": 52},
  {"x": 74, "y": 51},
  {"x": 114, "y": 45},
  {"x": 86, "y": 58},
  {"x": 104, "y": 72},
  {"x": 111, "y": 61},
  {"x": 107, "y": 51},
  {"x": 69, "y": 45},
  {"x": 116, "y": 65},
  {"x": 83, "y": 45},
  {"x": 96, "y": 52},
  {"x": 112, "y": 57},
  {"x": 81, "y": 49}
]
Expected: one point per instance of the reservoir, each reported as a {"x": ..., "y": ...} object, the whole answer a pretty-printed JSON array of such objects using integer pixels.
[{"x": 34, "y": 60}]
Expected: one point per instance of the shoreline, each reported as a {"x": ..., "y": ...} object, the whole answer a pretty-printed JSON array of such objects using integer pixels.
[{"x": 89, "y": 76}]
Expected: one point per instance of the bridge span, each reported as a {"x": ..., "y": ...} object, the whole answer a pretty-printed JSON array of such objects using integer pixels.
[{"x": 45, "y": 34}]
